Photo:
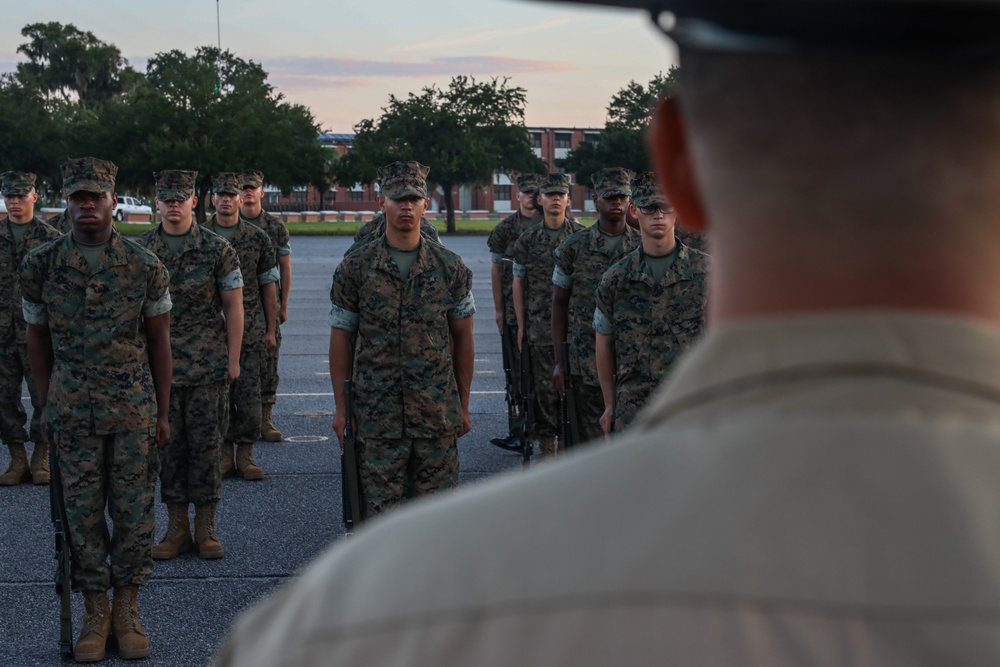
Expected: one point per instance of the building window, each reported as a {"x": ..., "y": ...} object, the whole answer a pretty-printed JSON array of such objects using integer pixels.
[
  {"x": 536, "y": 139},
  {"x": 564, "y": 140},
  {"x": 271, "y": 197},
  {"x": 501, "y": 193},
  {"x": 299, "y": 196},
  {"x": 355, "y": 195}
]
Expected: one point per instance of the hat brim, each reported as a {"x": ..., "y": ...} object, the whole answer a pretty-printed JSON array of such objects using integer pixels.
[
  {"x": 561, "y": 189},
  {"x": 615, "y": 192},
  {"x": 96, "y": 187},
  {"x": 654, "y": 200},
  {"x": 17, "y": 192},
  {"x": 404, "y": 191},
  {"x": 171, "y": 194}
]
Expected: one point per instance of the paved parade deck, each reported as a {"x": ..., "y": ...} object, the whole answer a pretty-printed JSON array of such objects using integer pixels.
[{"x": 269, "y": 529}]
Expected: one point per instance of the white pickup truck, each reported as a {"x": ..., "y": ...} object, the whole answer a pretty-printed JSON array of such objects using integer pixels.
[{"x": 128, "y": 205}]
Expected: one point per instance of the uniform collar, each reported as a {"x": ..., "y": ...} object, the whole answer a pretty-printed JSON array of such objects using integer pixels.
[
  {"x": 951, "y": 353},
  {"x": 685, "y": 267},
  {"x": 382, "y": 260},
  {"x": 192, "y": 240},
  {"x": 114, "y": 254}
]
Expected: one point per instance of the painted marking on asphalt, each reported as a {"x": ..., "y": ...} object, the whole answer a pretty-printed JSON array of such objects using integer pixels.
[
  {"x": 315, "y": 414},
  {"x": 486, "y": 372},
  {"x": 326, "y": 374},
  {"x": 306, "y": 438},
  {"x": 480, "y": 393}
]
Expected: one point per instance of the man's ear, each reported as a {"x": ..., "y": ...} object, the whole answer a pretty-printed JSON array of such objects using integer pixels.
[{"x": 672, "y": 162}]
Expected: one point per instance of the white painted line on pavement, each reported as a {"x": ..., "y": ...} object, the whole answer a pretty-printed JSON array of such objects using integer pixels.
[{"x": 331, "y": 393}]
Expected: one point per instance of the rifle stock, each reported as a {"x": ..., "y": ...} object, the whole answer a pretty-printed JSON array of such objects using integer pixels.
[
  {"x": 349, "y": 482},
  {"x": 507, "y": 342},
  {"x": 63, "y": 556},
  {"x": 527, "y": 405},
  {"x": 614, "y": 402},
  {"x": 568, "y": 417}
]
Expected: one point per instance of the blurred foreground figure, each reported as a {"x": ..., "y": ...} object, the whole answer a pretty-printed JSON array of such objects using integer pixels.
[{"x": 816, "y": 482}]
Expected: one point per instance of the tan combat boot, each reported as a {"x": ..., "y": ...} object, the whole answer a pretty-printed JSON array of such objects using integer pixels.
[
  {"x": 93, "y": 639},
  {"x": 178, "y": 538},
  {"x": 40, "y": 464},
  {"x": 245, "y": 465},
  {"x": 209, "y": 546},
  {"x": 226, "y": 466},
  {"x": 268, "y": 432},
  {"x": 18, "y": 471},
  {"x": 546, "y": 447},
  {"x": 132, "y": 641}
]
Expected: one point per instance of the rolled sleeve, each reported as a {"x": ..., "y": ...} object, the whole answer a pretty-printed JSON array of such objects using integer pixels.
[
  {"x": 284, "y": 250},
  {"x": 269, "y": 276},
  {"x": 344, "y": 319},
  {"x": 465, "y": 308},
  {"x": 34, "y": 313},
  {"x": 232, "y": 281},
  {"x": 561, "y": 279},
  {"x": 520, "y": 270},
  {"x": 496, "y": 257},
  {"x": 154, "y": 307},
  {"x": 602, "y": 324}
]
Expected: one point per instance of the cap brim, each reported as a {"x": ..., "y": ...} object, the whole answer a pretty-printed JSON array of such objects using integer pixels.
[
  {"x": 174, "y": 195},
  {"x": 17, "y": 192},
  {"x": 404, "y": 192},
  {"x": 615, "y": 192},
  {"x": 88, "y": 186},
  {"x": 550, "y": 190},
  {"x": 641, "y": 202}
]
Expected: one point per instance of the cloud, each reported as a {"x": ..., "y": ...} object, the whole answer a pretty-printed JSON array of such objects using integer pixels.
[
  {"x": 351, "y": 71},
  {"x": 488, "y": 35}
]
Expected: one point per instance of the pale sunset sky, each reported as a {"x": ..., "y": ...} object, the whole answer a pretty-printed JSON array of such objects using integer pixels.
[{"x": 344, "y": 59}]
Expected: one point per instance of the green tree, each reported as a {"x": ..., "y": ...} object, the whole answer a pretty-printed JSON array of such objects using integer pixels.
[
  {"x": 212, "y": 112},
  {"x": 464, "y": 133},
  {"x": 65, "y": 61},
  {"x": 623, "y": 140},
  {"x": 32, "y": 131}
]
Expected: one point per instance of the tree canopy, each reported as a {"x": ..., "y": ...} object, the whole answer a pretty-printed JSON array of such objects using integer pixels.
[
  {"x": 623, "y": 140},
  {"x": 465, "y": 133},
  {"x": 210, "y": 111}
]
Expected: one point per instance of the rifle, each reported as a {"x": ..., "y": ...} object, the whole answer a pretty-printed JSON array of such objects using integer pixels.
[
  {"x": 512, "y": 441},
  {"x": 63, "y": 572},
  {"x": 569, "y": 416},
  {"x": 527, "y": 405},
  {"x": 614, "y": 402},
  {"x": 349, "y": 466}
]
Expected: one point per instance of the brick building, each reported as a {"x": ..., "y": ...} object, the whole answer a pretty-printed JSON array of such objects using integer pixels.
[{"x": 550, "y": 144}]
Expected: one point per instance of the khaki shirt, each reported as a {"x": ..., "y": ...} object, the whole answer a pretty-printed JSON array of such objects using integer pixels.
[{"x": 804, "y": 491}]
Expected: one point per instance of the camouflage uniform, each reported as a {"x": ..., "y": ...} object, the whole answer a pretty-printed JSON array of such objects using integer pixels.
[
  {"x": 101, "y": 402},
  {"x": 280, "y": 240},
  {"x": 203, "y": 267},
  {"x": 257, "y": 262},
  {"x": 695, "y": 240},
  {"x": 581, "y": 260},
  {"x": 652, "y": 323},
  {"x": 61, "y": 221},
  {"x": 534, "y": 260},
  {"x": 375, "y": 228},
  {"x": 14, "y": 366},
  {"x": 407, "y": 406}
]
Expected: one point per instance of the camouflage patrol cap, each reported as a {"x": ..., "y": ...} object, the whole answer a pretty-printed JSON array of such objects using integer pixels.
[
  {"x": 528, "y": 182},
  {"x": 554, "y": 183},
  {"x": 403, "y": 179},
  {"x": 88, "y": 174},
  {"x": 612, "y": 182},
  {"x": 229, "y": 182},
  {"x": 969, "y": 28},
  {"x": 175, "y": 184},
  {"x": 16, "y": 183},
  {"x": 646, "y": 190},
  {"x": 251, "y": 178}
]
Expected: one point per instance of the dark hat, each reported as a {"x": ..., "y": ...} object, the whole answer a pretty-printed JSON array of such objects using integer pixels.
[
  {"x": 229, "y": 182},
  {"x": 88, "y": 174},
  {"x": 612, "y": 182},
  {"x": 403, "y": 179},
  {"x": 175, "y": 184},
  {"x": 554, "y": 183},
  {"x": 251, "y": 178},
  {"x": 646, "y": 190},
  {"x": 16, "y": 183},
  {"x": 961, "y": 27},
  {"x": 528, "y": 182}
]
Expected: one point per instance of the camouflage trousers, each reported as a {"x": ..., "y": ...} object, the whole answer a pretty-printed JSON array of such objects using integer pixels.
[
  {"x": 589, "y": 408},
  {"x": 13, "y": 368},
  {"x": 546, "y": 397},
  {"x": 189, "y": 464},
  {"x": 395, "y": 469},
  {"x": 116, "y": 471},
  {"x": 244, "y": 397},
  {"x": 631, "y": 398},
  {"x": 269, "y": 374}
]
